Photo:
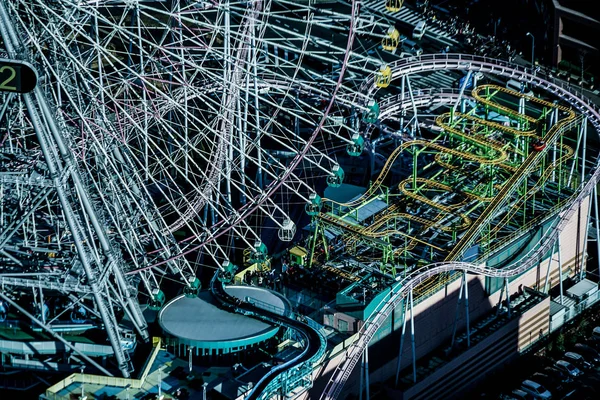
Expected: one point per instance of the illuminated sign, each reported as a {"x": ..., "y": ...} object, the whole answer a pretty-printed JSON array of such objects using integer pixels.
[{"x": 17, "y": 76}]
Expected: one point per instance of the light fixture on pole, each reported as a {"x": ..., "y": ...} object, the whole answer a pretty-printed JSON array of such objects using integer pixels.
[
  {"x": 204, "y": 385},
  {"x": 160, "y": 395},
  {"x": 83, "y": 396},
  {"x": 532, "y": 50}
]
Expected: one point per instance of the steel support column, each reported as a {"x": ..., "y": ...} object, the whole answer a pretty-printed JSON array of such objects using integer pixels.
[
  {"x": 597, "y": 229},
  {"x": 560, "y": 271},
  {"x": 412, "y": 336},
  {"x": 466, "y": 285},
  {"x": 546, "y": 288},
  {"x": 588, "y": 217},
  {"x": 507, "y": 297},
  {"x": 460, "y": 291},
  {"x": 401, "y": 341},
  {"x": 364, "y": 375}
]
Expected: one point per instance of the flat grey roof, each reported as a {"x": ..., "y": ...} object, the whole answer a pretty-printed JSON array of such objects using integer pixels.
[
  {"x": 199, "y": 322},
  {"x": 582, "y": 287}
]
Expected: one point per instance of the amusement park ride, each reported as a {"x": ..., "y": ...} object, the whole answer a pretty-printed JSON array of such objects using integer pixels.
[{"x": 165, "y": 138}]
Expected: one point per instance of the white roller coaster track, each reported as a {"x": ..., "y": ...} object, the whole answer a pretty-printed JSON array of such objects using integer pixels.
[{"x": 403, "y": 287}]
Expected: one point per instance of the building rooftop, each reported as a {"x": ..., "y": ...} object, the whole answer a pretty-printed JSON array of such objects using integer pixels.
[
  {"x": 199, "y": 322},
  {"x": 585, "y": 286},
  {"x": 162, "y": 369},
  {"x": 479, "y": 331}
]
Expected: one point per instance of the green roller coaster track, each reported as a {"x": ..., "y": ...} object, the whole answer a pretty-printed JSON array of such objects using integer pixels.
[{"x": 500, "y": 175}]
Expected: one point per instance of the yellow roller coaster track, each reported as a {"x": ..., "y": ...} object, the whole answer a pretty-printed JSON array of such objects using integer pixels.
[
  {"x": 491, "y": 124},
  {"x": 533, "y": 190},
  {"x": 482, "y": 141},
  {"x": 441, "y": 121},
  {"x": 390, "y": 161},
  {"x": 500, "y": 155},
  {"x": 435, "y": 283},
  {"x": 371, "y": 230},
  {"x": 423, "y": 199},
  {"x": 510, "y": 185},
  {"x": 475, "y": 94}
]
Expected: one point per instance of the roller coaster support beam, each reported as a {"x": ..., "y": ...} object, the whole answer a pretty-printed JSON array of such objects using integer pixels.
[
  {"x": 572, "y": 171},
  {"x": 415, "y": 113},
  {"x": 463, "y": 287},
  {"x": 404, "y": 312},
  {"x": 549, "y": 269},
  {"x": 507, "y": 296},
  {"x": 502, "y": 292},
  {"x": 553, "y": 120},
  {"x": 364, "y": 376},
  {"x": 467, "y": 308},
  {"x": 403, "y": 110},
  {"x": 560, "y": 271},
  {"x": 584, "y": 141},
  {"x": 460, "y": 291},
  {"x": 412, "y": 336},
  {"x": 522, "y": 112},
  {"x": 505, "y": 289},
  {"x": 597, "y": 228},
  {"x": 460, "y": 94},
  {"x": 585, "y": 238}
]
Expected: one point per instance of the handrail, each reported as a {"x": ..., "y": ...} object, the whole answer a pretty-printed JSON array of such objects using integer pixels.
[{"x": 464, "y": 62}]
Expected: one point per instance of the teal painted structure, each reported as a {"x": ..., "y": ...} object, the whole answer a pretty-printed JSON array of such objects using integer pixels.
[{"x": 211, "y": 331}]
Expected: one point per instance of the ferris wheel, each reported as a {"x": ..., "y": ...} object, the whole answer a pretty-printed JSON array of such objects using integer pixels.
[{"x": 166, "y": 130}]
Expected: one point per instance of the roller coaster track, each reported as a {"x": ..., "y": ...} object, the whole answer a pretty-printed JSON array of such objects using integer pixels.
[
  {"x": 355, "y": 229},
  {"x": 486, "y": 101},
  {"x": 390, "y": 161},
  {"x": 423, "y": 199},
  {"x": 532, "y": 191},
  {"x": 389, "y": 215},
  {"x": 371, "y": 230},
  {"x": 491, "y": 124},
  {"x": 443, "y": 121},
  {"x": 402, "y": 288},
  {"x": 510, "y": 186},
  {"x": 292, "y": 370}
]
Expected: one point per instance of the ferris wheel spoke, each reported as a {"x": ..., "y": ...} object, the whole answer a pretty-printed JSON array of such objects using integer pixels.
[{"x": 197, "y": 132}]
